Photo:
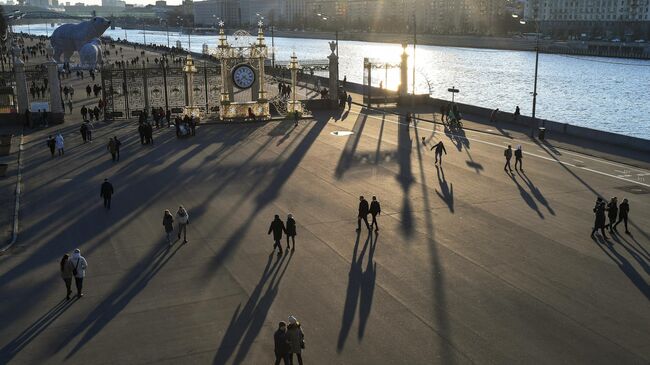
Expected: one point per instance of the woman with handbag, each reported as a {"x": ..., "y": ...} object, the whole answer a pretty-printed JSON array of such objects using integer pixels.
[{"x": 296, "y": 339}]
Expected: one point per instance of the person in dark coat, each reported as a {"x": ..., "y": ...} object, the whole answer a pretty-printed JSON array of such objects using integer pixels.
[
  {"x": 440, "y": 148},
  {"x": 84, "y": 132},
  {"x": 168, "y": 116},
  {"x": 277, "y": 227},
  {"x": 282, "y": 346},
  {"x": 141, "y": 132},
  {"x": 508, "y": 155},
  {"x": 623, "y": 210},
  {"x": 192, "y": 126},
  {"x": 106, "y": 192},
  {"x": 519, "y": 155},
  {"x": 66, "y": 274},
  {"x": 599, "y": 210},
  {"x": 148, "y": 133},
  {"x": 291, "y": 230},
  {"x": 296, "y": 338},
  {"x": 375, "y": 210},
  {"x": 168, "y": 222},
  {"x": 51, "y": 144},
  {"x": 612, "y": 213},
  {"x": 364, "y": 209}
]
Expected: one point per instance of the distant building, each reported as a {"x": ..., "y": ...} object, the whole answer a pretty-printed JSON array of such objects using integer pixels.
[
  {"x": 161, "y": 3},
  {"x": 39, "y": 3},
  {"x": 114, "y": 3},
  {"x": 233, "y": 13},
  {"x": 592, "y": 18}
]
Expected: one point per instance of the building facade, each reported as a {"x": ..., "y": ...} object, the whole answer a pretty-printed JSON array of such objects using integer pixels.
[{"x": 591, "y": 18}]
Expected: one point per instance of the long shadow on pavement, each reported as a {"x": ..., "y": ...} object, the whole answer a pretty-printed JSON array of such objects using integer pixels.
[
  {"x": 30, "y": 333},
  {"x": 623, "y": 264}
]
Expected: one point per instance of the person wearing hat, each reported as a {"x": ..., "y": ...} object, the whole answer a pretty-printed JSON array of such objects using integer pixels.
[
  {"x": 281, "y": 344},
  {"x": 291, "y": 230},
  {"x": 78, "y": 264},
  {"x": 296, "y": 339}
]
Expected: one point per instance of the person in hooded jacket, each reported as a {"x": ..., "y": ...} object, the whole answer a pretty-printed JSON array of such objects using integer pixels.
[
  {"x": 183, "y": 219},
  {"x": 277, "y": 227},
  {"x": 623, "y": 210},
  {"x": 66, "y": 274},
  {"x": 59, "y": 142},
  {"x": 296, "y": 339},
  {"x": 612, "y": 213},
  {"x": 78, "y": 266},
  {"x": 168, "y": 222},
  {"x": 291, "y": 230}
]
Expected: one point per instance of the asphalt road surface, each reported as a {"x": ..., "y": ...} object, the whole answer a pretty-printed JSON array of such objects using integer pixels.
[{"x": 471, "y": 264}]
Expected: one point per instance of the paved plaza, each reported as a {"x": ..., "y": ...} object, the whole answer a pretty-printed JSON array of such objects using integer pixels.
[{"x": 471, "y": 265}]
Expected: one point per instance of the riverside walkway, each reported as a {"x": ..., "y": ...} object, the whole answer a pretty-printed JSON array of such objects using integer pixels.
[{"x": 471, "y": 264}]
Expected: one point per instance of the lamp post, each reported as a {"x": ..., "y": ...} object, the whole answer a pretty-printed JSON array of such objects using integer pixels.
[
  {"x": 166, "y": 29},
  {"x": 336, "y": 39},
  {"x": 534, "y": 123}
]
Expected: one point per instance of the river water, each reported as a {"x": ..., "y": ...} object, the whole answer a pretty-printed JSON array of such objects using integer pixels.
[{"x": 600, "y": 93}]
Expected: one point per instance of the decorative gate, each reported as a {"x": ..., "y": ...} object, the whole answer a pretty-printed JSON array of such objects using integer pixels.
[{"x": 128, "y": 91}]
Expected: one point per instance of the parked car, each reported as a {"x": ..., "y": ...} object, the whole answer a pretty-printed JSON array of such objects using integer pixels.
[
  {"x": 639, "y": 41},
  {"x": 616, "y": 40}
]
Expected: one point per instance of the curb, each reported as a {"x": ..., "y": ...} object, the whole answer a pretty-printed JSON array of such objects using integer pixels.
[{"x": 14, "y": 230}]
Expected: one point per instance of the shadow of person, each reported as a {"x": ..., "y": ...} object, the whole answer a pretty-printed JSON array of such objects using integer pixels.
[
  {"x": 367, "y": 291},
  {"x": 527, "y": 197},
  {"x": 242, "y": 317},
  {"x": 447, "y": 189},
  {"x": 535, "y": 191},
  {"x": 624, "y": 265},
  {"x": 353, "y": 291},
  {"x": 30, "y": 333},
  {"x": 636, "y": 255}
]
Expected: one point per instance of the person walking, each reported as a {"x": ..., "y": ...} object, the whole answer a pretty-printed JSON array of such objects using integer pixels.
[
  {"x": 70, "y": 106},
  {"x": 117, "y": 147},
  {"x": 277, "y": 227},
  {"x": 375, "y": 210},
  {"x": 291, "y": 231},
  {"x": 168, "y": 116},
  {"x": 612, "y": 213},
  {"x": 364, "y": 209},
  {"x": 508, "y": 155},
  {"x": 59, "y": 144},
  {"x": 349, "y": 101},
  {"x": 183, "y": 218},
  {"x": 168, "y": 223},
  {"x": 89, "y": 132},
  {"x": 51, "y": 144},
  {"x": 599, "y": 210},
  {"x": 111, "y": 148},
  {"x": 519, "y": 155},
  {"x": 78, "y": 265},
  {"x": 106, "y": 192},
  {"x": 66, "y": 274},
  {"x": 440, "y": 148},
  {"x": 84, "y": 112},
  {"x": 282, "y": 346},
  {"x": 623, "y": 211},
  {"x": 296, "y": 338},
  {"x": 83, "y": 130},
  {"x": 141, "y": 132}
]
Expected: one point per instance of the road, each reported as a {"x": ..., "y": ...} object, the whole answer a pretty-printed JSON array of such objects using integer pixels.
[{"x": 471, "y": 265}]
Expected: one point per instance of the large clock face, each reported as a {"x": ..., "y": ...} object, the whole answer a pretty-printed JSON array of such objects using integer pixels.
[{"x": 243, "y": 76}]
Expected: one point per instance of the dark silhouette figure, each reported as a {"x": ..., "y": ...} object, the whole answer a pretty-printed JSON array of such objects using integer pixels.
[
  {"x": 599, "y": 210},
  {"x": 440, "y": 148},
  {"x": 106, "y": 192},
  {"x": 281, "y": 344},
  {"x": 375, "y": 210},
  {"x": 612, "y": 213},
  {"x": 515, "y": 115},
  {"x": 66, "y": 275},
  {"x": 83, "y": 130},
  {"x": 51, "y": 144},
  {"x": 519, "y": 155},
  {"x": 623, "y": 210},
  {"x": 508, "y": 155},
  {"x": 277, "y": 227},
  {"x": 291, "y": 231},
  {"x": 117, "y": 147},
  {"x": 364, "y": 209}
]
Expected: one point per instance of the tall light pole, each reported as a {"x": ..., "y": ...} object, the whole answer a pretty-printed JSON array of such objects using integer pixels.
[
  {"x": 534, "y": 120},
  {"x": 336, "y": 38}
]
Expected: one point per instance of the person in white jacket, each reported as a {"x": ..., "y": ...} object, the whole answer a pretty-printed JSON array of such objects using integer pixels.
[
  {"x": 183, "y": 219},
  {"x": 58, "y": 141},
  {"x": 79, "y": 265}
]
